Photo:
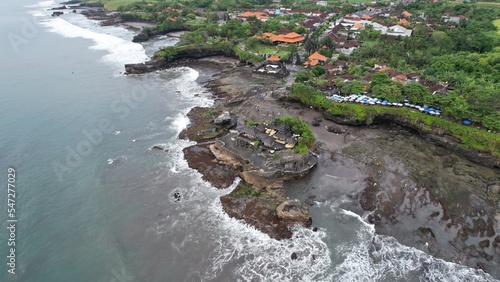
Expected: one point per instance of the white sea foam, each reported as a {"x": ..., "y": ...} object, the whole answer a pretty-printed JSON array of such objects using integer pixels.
[
  {"x": 382, "y": 258},
  {"x": 180, "y": 122},
  {"x": 42, "y": 4},
  {"x": 116, "y": 132},
  {"x": 188, "y": 90},
  {"x": 116, "y": 160},
  {"x": 120, "y": 51}
]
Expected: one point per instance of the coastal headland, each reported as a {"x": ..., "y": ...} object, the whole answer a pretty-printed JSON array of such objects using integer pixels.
[
  {"x": 415, "y": 183},
  {"x": 418, "y": 187}
]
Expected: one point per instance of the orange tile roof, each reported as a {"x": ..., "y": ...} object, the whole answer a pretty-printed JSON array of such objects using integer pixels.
[
  {"x": 258, "y": 15},
  {"x": 273, "y": 58},
  {"x": 366, "y": 17},
  {"x": 406, "y": 14},
  {"x": 317, "y": 56},
  {"x": 357, "y": 25},
  {"x": 311, "y": 63},
  {"x": 404, "y": 22},
  {"x": 291, "y": 37}
]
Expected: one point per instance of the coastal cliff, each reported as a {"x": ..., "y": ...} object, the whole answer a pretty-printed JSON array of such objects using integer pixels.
[
  {"x": 184, "y": 54},
  {"x": 433, "y": 135}
]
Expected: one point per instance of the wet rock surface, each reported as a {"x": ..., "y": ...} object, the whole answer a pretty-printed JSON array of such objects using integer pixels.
[
  {"x": 441, "y": 201},
  {"x": 424, "y": 195},
  {"x": 200, "y": 158},
  {"x": 257, "y": 208}
]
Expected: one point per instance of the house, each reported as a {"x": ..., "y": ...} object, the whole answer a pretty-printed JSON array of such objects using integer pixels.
[
  {"x": 379, "y": 66},
  {"x": 398, "y": 30},
  {"x": 263, "y": 16},
  {"x": 404, "y": 22},
  {"x": 440, "y": 88},
  {"x": 273, "y": 59},
  {"x": 291, "y": 37},
  {"x": 357, "y": 27},
  {"x": 401, "y": 77},
  {"x": 413, "y": 77},
  {"x": 406, "y": 14},
  {"x": 348, "y": 47},
  {"x": 315, "y": 59}
]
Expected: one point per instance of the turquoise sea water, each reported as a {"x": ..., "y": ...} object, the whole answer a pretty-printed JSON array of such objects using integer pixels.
[{"x": 94, "y": 203}]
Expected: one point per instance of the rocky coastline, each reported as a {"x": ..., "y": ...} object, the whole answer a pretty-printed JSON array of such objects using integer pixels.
[
  {"x": 416, "y": 185},
  {"x": 259, "y": 199}
]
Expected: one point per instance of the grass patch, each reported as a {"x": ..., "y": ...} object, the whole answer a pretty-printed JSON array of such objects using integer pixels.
[
  {"x": 252, "y": 123},
  {"x": 497, "y": 24},
  {"x": 246, "y": 189},
  {"x": 112, "y": 5},
  {"x": 470, "y": 137},
  {"x": 263, "y": 49},
  {"x": 494, "y": 5}
]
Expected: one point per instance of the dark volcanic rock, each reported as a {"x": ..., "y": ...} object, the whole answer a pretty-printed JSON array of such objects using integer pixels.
[
  {"x": 223, "y": 118},
  {"x": 141, "y": 37},
  {"x": 294, "y": 255},
  {"x": 294, "y": 211},
  {"x": 257, "y": 209},
  {"x": 59, "y": 8},
  {"x": 159, "y": 148},
  {"x": 200, "y": 158},
  {"x": 57, "y": 14},
  {"x": 182, "y": 54}
]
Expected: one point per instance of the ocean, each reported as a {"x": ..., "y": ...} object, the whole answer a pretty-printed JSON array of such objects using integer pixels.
[{"x": 93, "y": 202}]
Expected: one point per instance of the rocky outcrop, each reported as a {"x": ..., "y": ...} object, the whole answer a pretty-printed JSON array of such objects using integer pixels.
[
  {"x": 141, "y": 37},
  {"x": 149, "y": 66},
  {"x": 294, "y": 211},
  {"x": 435, "y": 136},
  {"x": 182, "y": 54},
  {"x": 220, "y": 174},
  {"x": 59, "y": 8},
  {"x": 223, "y": 118},
  {"x": 151, "y": 33},
  {"x": 57, "y": 14}
]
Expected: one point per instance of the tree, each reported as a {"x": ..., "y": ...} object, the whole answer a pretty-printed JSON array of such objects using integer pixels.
[
  {"x": 311, "y": 45},
  {"x": 300, "y": 29},
  {"x": 318, "y": 70},
  {"x": 327, "y": 41},
  {"x": 212, "y": 17},
  {"x": 390, "y": 92},
  {"x": 456, "y": 106},
  {"x": 492, "y": 121},
  {"x": 416, "y": 93},
  {"x": 379, "y": 79}
]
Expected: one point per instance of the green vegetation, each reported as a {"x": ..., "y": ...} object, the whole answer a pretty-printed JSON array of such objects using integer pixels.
[
  {"x": 470, "y": 137},
  {"x": 112, "y": 5},
  {"x": 297, "y": 126},
  {"x": 252, "y": 123},
  {"x": 464, "y": 56},
  {"x": 246, "y": 189}
]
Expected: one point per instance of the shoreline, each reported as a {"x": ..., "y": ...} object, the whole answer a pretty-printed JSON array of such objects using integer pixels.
[
  {"x": 432, "y": 223},
  {"x": 432, "y": 216}
]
